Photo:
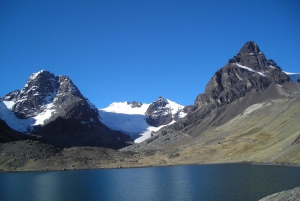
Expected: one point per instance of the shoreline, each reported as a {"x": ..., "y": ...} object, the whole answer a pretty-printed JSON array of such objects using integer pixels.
[{"x": 153, "y": 166}]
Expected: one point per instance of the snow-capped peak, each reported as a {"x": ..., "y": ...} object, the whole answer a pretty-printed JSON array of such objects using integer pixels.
[{"x": 43, "y": 99}]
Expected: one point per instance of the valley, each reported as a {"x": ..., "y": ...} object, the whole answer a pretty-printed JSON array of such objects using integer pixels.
[{"x": 249, "y": 113}]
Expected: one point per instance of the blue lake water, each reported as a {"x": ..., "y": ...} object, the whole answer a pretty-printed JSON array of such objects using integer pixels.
[{"x": 192, "y": 182}]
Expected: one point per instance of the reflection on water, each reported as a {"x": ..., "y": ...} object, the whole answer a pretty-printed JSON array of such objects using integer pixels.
[{"x": 195, "y": 182}]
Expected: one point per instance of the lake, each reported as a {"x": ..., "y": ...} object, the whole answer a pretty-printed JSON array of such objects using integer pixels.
[{"x": 191, "y": 182}]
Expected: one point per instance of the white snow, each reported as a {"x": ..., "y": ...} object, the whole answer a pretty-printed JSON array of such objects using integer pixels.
[
  {"x": 24, "y": 125},
  {"x": 21, "y": 125},
  {"x": 249, "y": 69},
  {"x": 49, "y": 110},
  {"x": 147, "y": 134},
  {"x": 9, "y": 104},
  {"x": 176, "y": 108},
  {"x": 34, "y": 75},
  {"x": 125, "y": 108},
  {"x": 132, "y": 121}
]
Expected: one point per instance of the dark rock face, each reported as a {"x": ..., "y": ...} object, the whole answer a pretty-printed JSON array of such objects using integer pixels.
[
  {"x": 12, "y": 96},
  {"x": 250, "y": 56},
  {"x": 135, "y": 104},
  {"x": 248, "y": 70},
  {"x": 158, "y": 114},
  {"x": 66, "y": 117}
]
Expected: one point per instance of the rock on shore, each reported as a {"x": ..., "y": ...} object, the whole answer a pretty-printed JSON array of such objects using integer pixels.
[{"x": 290, "y": 195}]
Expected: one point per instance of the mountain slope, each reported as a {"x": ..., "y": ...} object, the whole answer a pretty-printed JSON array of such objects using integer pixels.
[
  {"x": 248, "y": 78},
  {"x": 53, "y": 107},
  {"x": 8, "y": 135}
]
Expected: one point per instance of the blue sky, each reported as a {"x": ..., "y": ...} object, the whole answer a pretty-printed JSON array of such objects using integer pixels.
[{"x": 138, "y": 50}]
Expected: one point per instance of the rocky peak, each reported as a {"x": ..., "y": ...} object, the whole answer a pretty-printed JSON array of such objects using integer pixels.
[
  {"x": 157, "y": 106},
  {"x": 250, "y": 56},
  {"x": 250, "y": 48},
  {"x": 44, "y": 91},
  {"x": 158, "y": 114},
  {"x": 248, "y": 70},
  {"x": 52, "y": 106},
  {"x": 163, "y": 111}
]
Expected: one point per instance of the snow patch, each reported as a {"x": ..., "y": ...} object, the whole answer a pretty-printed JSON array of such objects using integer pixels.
[
  {"x": 125, "y": 108},
  {"x": 147, "y": 134},
  {"x": 249, "y": 69},
  {"x": 176, "y": 109},
  {"x": 48, "y": 111},
  {"x": 9, "y": 104},
  {"x": 34, "y": 75},
  {"x": 21, "y": 125}
]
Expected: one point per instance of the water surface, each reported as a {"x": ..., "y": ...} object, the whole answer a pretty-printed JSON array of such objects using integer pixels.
[{"x": 193, "y": 182}]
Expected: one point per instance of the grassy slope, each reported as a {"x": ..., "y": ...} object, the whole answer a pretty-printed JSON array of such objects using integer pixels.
[{"x": 264, "y": 135}]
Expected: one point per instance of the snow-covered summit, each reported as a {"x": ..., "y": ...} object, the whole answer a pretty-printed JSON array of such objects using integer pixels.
[
  {"x": 44, "y": 98},
  {"x": 131, "y": 117}
]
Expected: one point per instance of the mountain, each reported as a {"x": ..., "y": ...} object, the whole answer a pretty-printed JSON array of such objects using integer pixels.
[
  {"x": 247, "y": 79},
  {"x": 53, "y": 107},
  {"x": 163, "y": 111},
  {"x": 139, "y": 120}
]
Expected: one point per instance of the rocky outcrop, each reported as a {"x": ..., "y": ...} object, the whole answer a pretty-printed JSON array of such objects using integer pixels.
[
  {"x": 135, "y": 104},
  {"x": 12, "y": 96},
  {"x": 164, "y": 111},
  {"x": 290, "y": 195},
  {"x": 158, "y": 114}
]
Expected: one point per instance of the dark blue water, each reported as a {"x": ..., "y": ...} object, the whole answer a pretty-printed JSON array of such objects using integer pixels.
[{"x": 194, "y": 182}]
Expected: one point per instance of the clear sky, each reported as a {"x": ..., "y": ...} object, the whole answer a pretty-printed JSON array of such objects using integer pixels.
[{"x": 117, "y": 51}]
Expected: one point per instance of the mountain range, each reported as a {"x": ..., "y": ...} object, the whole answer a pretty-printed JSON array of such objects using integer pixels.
[
  {"x": 53, "y": 107},
  {"x": 249, "y": 111}
]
